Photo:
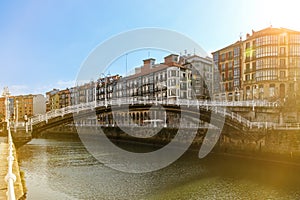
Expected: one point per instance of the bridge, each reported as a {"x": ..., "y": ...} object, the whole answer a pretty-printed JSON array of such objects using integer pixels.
[
  {"x": 112, "y": 111},
  {"x": 208, "y": 111}
]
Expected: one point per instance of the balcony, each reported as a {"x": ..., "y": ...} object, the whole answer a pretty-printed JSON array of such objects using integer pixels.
[
  {"x": 283, "y": 79},
  {"x": 249, "y": 81},
  {"x": 247, "y": 70},
  {"x": 282, "y": 54}
]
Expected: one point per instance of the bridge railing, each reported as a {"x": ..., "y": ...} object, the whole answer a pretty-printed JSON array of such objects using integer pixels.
[
  {"x": 212, "y": 105},
  {"x": 10, "y": 178}
]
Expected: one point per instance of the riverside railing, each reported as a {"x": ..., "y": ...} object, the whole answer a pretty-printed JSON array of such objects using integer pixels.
[
  {"x": 10, "y": 178},
  {"x": 216, "y": 106}
]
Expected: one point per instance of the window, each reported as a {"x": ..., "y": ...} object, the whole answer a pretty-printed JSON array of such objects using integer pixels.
[
  {"x": 272, "y": 90},
  {"x": 172, "y": 82},
  {"x": 295, "y": 38},
  {"x": 236, "y": 82},
  {"x": 236, "y": 51},
  {"x": 268, "y": 39},
  {"x": 261, "y": 88},
  {"x": 172, "y": 92},
  {"x": 266, "y": 51},
  {"x": 223, "y": 67},
  {"x": 282, "y": 62},
  {"x": 247, "y": 45},
  {"x": 295, "y": 62},
  {"x": 183, "y": 86},
  {"x": 236, "y": 62},
  {"x": 247, "y": 77},
  {"x": 248, "y": 51},
  {"x": 230, "y": 55},
  {"x": 282, "y": 51},
  {"x": 266, "y": 63},
  {"x": 223, "y": 57},
  {"x": 282, "y": 39},
  {"x": 236, "y": 72},
  {"x": 223, "y": 77},
  {"x": 282, "y": 74},
  {"x": 253, "y": 66},
  {"x": 230, "y": 75},
  {"x": 263, "y": 75},
  {"x": 247, "y": 68},
  {"x": 294, "y": 50},
  {"x": 230, "y": 65}
]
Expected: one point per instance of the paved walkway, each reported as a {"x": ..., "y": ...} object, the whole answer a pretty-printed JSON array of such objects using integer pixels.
[
  {"x": 3, "y": 167},
  {"x": 3, "y": 171}
]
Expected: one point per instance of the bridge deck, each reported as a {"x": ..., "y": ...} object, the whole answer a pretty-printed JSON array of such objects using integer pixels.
[{"x": 3, "y": 171}]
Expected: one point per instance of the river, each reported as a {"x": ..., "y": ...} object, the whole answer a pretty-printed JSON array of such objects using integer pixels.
[{"x": 63, "y": 169}]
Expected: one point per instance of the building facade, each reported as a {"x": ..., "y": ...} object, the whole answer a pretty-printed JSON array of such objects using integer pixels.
[
  {"x": 227, "y": 72},
  {"x": 175, "y": 78},
  {"x": 269, "y": 68},
  {"x": 52, "y": 100},
  {"x": 23, "y": 106},
  {"x": 202, "y": 75},
  {"x": 185, "y": 77}
]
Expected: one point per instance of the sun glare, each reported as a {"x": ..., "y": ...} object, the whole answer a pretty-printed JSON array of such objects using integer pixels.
[{"x": 279, "y": 13}]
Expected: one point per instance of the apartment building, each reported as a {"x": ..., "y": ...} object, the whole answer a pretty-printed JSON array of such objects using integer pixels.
[
  {"x": 268, "y": 68},
  {"x": 23, "y": 106},
  {"x": 52, "y": 100},
  {"x": 184, "y": 77},
  {"x": 175, "y": 78}
]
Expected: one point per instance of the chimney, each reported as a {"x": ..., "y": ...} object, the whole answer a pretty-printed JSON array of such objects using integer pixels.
[
  {"x": 170, "y": 59},
  {"x": 148, "y": 63}
]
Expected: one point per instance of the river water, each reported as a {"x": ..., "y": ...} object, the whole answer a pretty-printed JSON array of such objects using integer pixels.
[{"x": 63, "y": 169}]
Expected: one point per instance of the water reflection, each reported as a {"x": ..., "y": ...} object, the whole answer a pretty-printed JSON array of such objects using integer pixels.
[{"x": 63, "y": 169}]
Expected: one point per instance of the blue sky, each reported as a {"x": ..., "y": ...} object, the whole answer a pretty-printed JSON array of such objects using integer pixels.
[{"x": 43, "y": 43}]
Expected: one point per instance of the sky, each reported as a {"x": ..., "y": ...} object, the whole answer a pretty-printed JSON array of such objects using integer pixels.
[{"x": 44, "y": 43}]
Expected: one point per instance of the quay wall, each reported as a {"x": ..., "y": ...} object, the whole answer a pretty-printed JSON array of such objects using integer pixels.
[{"x": 273, "y": 144}]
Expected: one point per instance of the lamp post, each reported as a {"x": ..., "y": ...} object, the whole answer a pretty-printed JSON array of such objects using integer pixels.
[
  {"x": 236, "y": 93},
  {"x": 7, "y": 114},
  {"x": 16, "y": 115},
  {"x": 17, "y": 112}
]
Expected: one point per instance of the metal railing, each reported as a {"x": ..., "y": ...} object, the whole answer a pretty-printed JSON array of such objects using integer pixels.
[
  {"x": 209, "y": 105},
  {"x": 10, "y": 178}
]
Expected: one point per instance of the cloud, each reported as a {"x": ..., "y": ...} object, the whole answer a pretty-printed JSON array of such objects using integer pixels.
[
  {"x": 38, "y": 89},
  {"x": 65, "y": 84},
  {"x": 19, "y": 89}
]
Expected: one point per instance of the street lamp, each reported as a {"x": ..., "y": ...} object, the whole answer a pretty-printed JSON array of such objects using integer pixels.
[
  {"x": 17, "y": 112},
  {"x": 236, "y": 90},
  {"x": 7, "y": 114},
  {"x": 16, "y": 115}
]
